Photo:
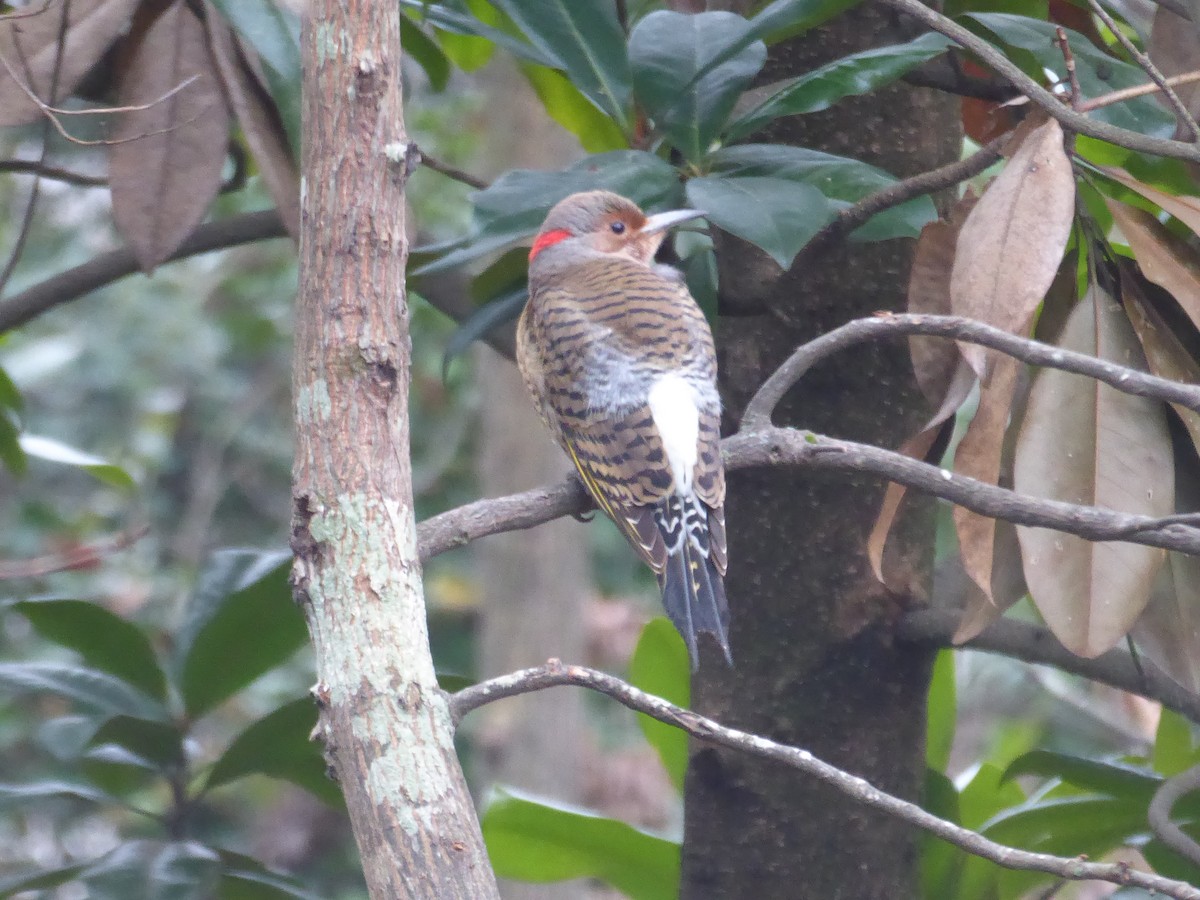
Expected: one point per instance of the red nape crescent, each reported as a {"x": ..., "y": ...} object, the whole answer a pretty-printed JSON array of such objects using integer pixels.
[{"x": 549, "y": 239}]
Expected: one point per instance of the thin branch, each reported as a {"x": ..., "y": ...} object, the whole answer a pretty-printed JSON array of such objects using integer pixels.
[
  {"x": 449, "y": 171},
  {"x": 901, "y": 192},
  {"x": 109, "y": 267},
  {"x": 1034, "y": 644},
  {"x": 51, "y": 173},
  {"x": 1069, "y": 118},
  {"x": 555, "y": 674},
  {"x": 1181, "y": 110},
  {"x": 1138, "y": 90},
  {"x": 1130, "y": 381},
  {"x": 81, "y": 557},
  {"x": 1064, "y": 45},
  {"x": 1159, "y": 813}
]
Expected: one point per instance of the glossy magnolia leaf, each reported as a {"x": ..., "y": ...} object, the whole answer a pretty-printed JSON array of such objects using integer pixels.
[
  {"x": 669, "y": 51},
  {"x": 500, "y": 311},
  {"x": 29, "y": 42},
  {"x": 473, "y": 25},
  {"x": 777, "y": 216},
  {"x": 1086, "y": 443},
  {"x": 1168, "y": 632},
  {"x": 660, "y": 666},
  {"x": 585, "y": 38},
  {"x": 165, "y": 159},
  {"x": 57, "y": 452},
  {"x": 160, "y": 743},
  {"x": 278, "y": 746},
  {"x": 982, "y": 798},
  {"x": 1012, "y": 242},
  {"x": 1164, "y": 259},
  {"x": 1173, "y": 748},
  {"x": 531, "y": 840},
  {"x": 273, "y": 31},
  {"x": 423, "y": 50},
  {"x": 241, "y": 623},
  {"x": 1098, "y": 72},
  {"x": 38, "y": 880},
  {"x": 788, "y": 18},
  {"x": 154, "y": 870},
  {"x": 513, "y": 207},
  {"x": 839, "y": 178},
  {"x": 92, "y": 688},
  {"x": 1183, "y": 207},
  {"x": 939, "y": 861},
  {"x": 14, "y": 795},
  {"x": 244, "y": 878},
  {"x": 597, "y": 132},
  {"x": 942, "y": 713},
  {"x": 262, "y": 126},
  {"x": 1113, "y": 779},
  {"x": 851, "y": 76},
  {"x": 105, "y": 640},
  {"x": 11, "y": 453}
]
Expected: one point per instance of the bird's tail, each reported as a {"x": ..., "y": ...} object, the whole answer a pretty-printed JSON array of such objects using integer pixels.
[{"x": 693, "y": 591}]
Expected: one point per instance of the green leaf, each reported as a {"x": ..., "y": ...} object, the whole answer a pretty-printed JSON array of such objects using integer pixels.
[
  {"x": 775, "y": 215},
  {"x": 513, "y": 207},
  {"x": 426, "y": 53},
  {"x": 92, "y": 688},
  {"x": 446, "y": 19},
  {"x": 17, "y": 794},
  {"x": 839, "y": 178},
  {"x": 104, "y": 640},
  {"x": 154, "y": 870},
  {"x": 11, "y": 453},
  {"x": 585, "y": 38},
  {"x": 245, "y": 878},
  {"x": 851, "y": 76},
  {"x": 1173, "y": 750},
  {"x": 274, "y": 33},
  {"x": 660, "y": 666},
  {"x": 1098, "y": 72},
  {"x": 159, "y": 743},
  {"x": 573, "y": 111},
  {"x": 39, "y": 880},
  {"x": 58, "y": 452},
  {"x": 788, "y": 18},
  {"x": 480, "y": 323},
  {"x": 669, "y": 51},
  {"x": 241, "y": 624},
  {"x": 939, "y": 861},
  {"x": 532, "y": 840},
  {"x": 942, "y": 712},
  {"x": 1113, "y": 779},
  {"x": 10, "y": 395},
  {"x": 278, "y": 745}
]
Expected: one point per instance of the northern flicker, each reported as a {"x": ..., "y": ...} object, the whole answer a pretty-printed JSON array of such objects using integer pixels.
[{"x": 621, "y": 365}]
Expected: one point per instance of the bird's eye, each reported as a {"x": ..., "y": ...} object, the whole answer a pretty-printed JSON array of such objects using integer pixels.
[{"x": 617, "y": 227}]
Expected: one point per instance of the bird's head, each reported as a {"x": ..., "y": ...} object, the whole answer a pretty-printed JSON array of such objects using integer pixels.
[{"x": 603, "y": 222}]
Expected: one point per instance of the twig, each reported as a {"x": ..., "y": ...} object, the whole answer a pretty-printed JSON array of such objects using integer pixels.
[
  {"x": 83, "y": 556},
  {"x": 1130, "y": 381},
  {"x": 1138, "y": 90},
  {"x": 555, "y": 674},
  {"x": 1159, "y": 813},
  {"x": 51, "y": 173},
  {"x": 449, "y": 171},
  {"x": 1070, "y": 119},
  {"x": 1034, "y": 644},
  {"x": 901, "y": 192},
  {"x": 1064, "y": 45},
  {"x": 109, "y": 267}
]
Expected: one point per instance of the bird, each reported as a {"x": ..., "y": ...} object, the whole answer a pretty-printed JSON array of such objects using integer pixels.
[{"x": 621, "y": 365}]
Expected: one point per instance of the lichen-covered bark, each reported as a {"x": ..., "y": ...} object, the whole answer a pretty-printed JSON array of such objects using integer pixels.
[
  {"x": 384, "y": 721},
  {"x": 816, "y": 666}
]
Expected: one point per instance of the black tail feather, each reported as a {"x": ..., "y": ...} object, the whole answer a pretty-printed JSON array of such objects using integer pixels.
[{"x": 694, "y": 597}]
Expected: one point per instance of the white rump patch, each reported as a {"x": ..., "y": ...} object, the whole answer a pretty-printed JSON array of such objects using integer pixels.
[{"x": 673, "y": 405}]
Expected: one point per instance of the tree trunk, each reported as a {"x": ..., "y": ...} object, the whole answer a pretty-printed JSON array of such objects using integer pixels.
[
  {"x": 385, "y": 723},
  {"x": 816, "y": 665}
]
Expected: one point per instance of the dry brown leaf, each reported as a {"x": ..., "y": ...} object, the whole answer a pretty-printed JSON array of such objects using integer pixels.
[
  {"x": 1164, "y": 259},
  {"x": 1174, "y": 49},
  {"x": 260, "y": 121},
  {"x": 1164, "y": 351},
  {"x": 1185, "y": 208},
  {"x": 1011, "y": 245},
  {"x": 165, "y": 162},
  {"x": 1086, "y": 443},
  {"x": 1008, "y": 586},
  {"x": 30, "y": 45}
]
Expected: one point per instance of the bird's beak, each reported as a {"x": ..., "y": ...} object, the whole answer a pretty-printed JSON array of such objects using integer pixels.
[{"x": 663, "y": 221}]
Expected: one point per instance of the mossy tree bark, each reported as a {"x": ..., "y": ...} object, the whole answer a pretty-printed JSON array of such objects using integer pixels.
[{"x": 384, "y": 721}]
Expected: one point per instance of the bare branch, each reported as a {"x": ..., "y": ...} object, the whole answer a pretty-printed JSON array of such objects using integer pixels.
[
  {"x": 1130, "y": 381},
  {"x": 109, "y": 267},
  {"x": 1069, "y": 118},
  {"x": 1159, "y": 814},
  {"x": 1064, "y": 45},
  {"x": 1180, "y": 109},
  {"x": 52, "y": 173},
  {"x": 555, "y": 674},
  {"x": 83, "y": 556},
  {"x": 1139, "y": 90},
  {"x": 1034, "y": 644},
  {"x": 449, "y": 171}
]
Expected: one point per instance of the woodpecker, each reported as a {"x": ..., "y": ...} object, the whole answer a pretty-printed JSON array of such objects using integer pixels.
[{"x": 621, "y": 366}]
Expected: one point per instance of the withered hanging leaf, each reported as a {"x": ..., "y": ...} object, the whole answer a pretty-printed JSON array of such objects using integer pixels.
[
  {"x": 1164, "y": 351},
  {"x": 1008, "y": 586},
  {"x": 1186, "y": 209},
  {"x": 165, "y": 160},
  {"x": 29, "y": 43},
  {"x": 1174, "y": 49},
  {"x": 260, "y": 120},
  {"x": 1084, "y": 442},
  {"x": 1164, "y": 259},
  {"x": 1168, "y": 631},
  {"x": 1013, "y": 240},
  {"x": 935, "y": 359}
]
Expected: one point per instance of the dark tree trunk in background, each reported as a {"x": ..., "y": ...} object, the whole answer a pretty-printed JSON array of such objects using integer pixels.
[{"x": 816, "y": 665}]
